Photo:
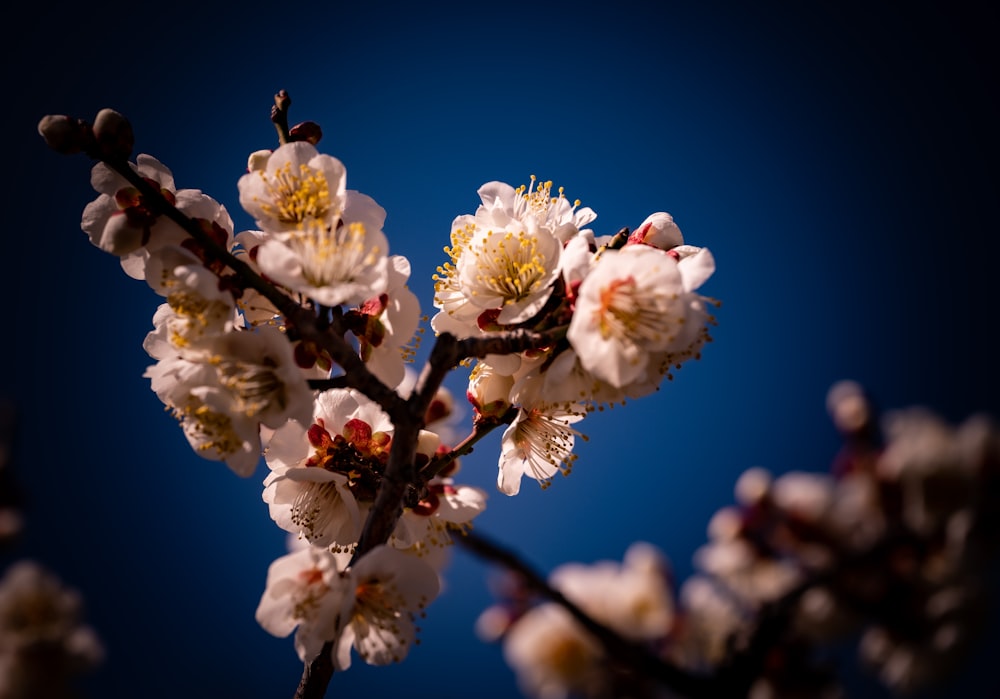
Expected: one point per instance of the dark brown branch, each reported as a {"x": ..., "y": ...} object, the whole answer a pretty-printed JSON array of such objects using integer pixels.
[
  {"x": 327, "y": 384},
  {"x": 509, "y": 342},
  {"x": 622, "y": 650},
  {"x": 480, "y": 429}
]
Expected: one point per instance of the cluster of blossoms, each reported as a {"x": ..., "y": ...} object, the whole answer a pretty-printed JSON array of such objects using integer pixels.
[
  {"x": 622, "y": 312},
  {"x": 893, "y": 546},
  {"x": 617, "y": 314},
  {"x": 290, "y": 342},
  {"x": 232, "y": 370},
  {"x": 44, "y": 643}
]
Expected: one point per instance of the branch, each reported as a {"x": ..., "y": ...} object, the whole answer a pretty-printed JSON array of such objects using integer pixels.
[
  {"x": 510, "y": 342},
  {"x": 480, "y": 429},
  {"x": 356, "y": 373},
  {"x": 624, "y": 651}
]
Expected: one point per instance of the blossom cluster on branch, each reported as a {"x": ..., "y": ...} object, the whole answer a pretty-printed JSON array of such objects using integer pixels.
[
  {"x": 893, "y": 548},
  {"x": 290, "y": 343}
]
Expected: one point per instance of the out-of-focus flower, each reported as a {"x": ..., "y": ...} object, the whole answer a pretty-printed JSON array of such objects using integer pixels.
[
  {"x": 44, "y": 643},
  {"x": 553, "y": 657}
]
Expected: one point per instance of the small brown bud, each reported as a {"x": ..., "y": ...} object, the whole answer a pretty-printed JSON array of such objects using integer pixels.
[
  {"x": 65, "y": 134},
  {"x": 114, "y": 135},
  {"x": 306, "y": 131},
  {"x": 282, "y": 101}
]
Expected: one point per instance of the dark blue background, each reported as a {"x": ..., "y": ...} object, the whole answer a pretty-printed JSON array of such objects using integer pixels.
[{"x": 839, "y": 159}]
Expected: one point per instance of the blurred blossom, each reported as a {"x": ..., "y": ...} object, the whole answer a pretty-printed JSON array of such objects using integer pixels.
[
  {"x": 893, "y": 546},
  {"x": 44, "y": 643}
]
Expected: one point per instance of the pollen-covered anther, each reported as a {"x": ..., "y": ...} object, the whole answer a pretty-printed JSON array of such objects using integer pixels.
[
  {"x": 297, "y": 196},
  {"x": 330, "y": 255},
  {"x": 627, "y": 312}
]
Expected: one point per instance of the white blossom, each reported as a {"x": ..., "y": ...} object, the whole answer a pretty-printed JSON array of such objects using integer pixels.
[
  {"x": 633, "y": 597},
  {"x": 387, "y": 590},
  {"x": 304, "y": 593},
  {"x": 505, "y": 258},
  {"x": 244, "y": 380},
  {"x": 553, "y": 656},
  {"x": 292, "y": 187},
  {"x": 339, "y": 262},
  {"x": 538, "y": 444},
  {"x": 634, "y": 310}
]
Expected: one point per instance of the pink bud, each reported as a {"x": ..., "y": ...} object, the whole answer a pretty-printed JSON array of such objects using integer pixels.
[
  {"x": 658, "y": 231},
  {"x": 306, "y": 131}
]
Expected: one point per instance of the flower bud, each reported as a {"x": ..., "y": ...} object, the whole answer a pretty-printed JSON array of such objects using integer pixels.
[
  {"x": 114, "y": 135},
  {"x": 121, "y": 236},
  {"x": 489, "y": 392},
  {"x": 753, "y": 486},
  {"x": 282, "y": 100},
  {"x": 258, "y": 160},
  {"x": 306, "y": 131},
  {"x": 659, "y": 231},
  {"x": 64, "y": 134}
]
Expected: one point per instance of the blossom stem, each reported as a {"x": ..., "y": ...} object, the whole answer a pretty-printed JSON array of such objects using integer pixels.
[
  {"x": 480, "y": 429},
  {"x": 279, "y": 116}
]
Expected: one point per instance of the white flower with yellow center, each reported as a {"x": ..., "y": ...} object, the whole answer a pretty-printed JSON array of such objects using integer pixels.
[
  {"x": 635, "y": 303},
  {"x": 343, "y": 261},
  {"x": 511, "y": 268},
  {"x": 242, "y": 381},
  {"x": 563, "y": 219},
  {"x": 506, "y": 257},
  {"x": 292, "y": 187},
  {"x": 196, "y": 309}
]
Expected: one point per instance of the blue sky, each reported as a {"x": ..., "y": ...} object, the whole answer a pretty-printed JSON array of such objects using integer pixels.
[{"x": 839, "y": 161}]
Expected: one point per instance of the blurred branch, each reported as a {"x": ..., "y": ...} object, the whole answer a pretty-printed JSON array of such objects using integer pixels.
[{"x": 622, "y": 650}]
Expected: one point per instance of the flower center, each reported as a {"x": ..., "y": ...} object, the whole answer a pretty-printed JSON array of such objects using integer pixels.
[
  {"x": 332, "y": 255},
  {"x": 625, "y": 313},
  {"x": 358, "y": 453},
  {"x": 256, "y": 387},
  {"x": 510, "y": 265},
  {"x": 297, "y": 196}
]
